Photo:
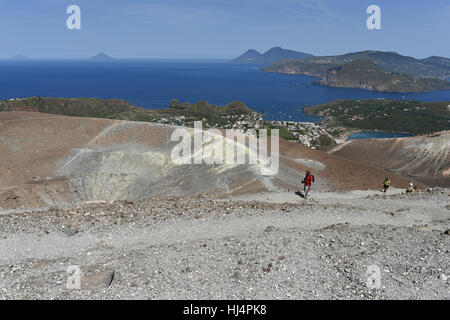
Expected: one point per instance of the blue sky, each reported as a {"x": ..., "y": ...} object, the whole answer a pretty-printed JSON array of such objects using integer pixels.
[{"x": 220, "y": 28}]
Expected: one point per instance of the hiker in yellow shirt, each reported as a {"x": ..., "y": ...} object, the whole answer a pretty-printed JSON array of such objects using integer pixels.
[{"x": 386, "y": 184}]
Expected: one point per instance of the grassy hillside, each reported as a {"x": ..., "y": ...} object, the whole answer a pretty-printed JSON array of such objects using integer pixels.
[
  {"x": 120, "y": 109},
  {"x": 365, "y": 74},
  {"x": 78, "y": 107},
  {"x": 438, "y": 62},
  {"x": 415, "y": 117}
]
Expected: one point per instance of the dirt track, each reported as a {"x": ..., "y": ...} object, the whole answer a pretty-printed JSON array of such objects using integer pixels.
[{"x": 273, "y": 245}]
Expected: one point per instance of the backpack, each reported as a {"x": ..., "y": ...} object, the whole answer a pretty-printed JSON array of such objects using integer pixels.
[{"x": 308, "y": 180}]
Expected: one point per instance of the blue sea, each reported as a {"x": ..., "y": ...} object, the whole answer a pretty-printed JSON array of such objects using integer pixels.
[
  {"x": 376, "y": 135},
  {"x": 153, "y": 83}
]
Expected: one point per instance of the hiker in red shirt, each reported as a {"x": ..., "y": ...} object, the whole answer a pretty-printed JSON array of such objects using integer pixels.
[{"x": 307, "y": 181}]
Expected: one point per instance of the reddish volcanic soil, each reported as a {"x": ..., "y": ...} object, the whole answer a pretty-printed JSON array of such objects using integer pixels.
[
  {"x": 47, "y": 160},
  {"x": 423, "y": 158}
]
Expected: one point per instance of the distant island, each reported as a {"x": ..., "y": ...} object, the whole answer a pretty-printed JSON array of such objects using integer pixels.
[
  {"x": 386, "y": 71},
  {"x": 270, "y": 56},
  {"x": 101, "y": 57},
  {"x": 20, "y": 57}
]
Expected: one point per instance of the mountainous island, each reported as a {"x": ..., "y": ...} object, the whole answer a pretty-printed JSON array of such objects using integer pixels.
[
  {"x": 20, "y": 57},
  {"x": 101, "y": 57},
  {"x": 366, "y": 74},
  {"x": 386, "y": 71},
  {"x": 270, "y": 56}
]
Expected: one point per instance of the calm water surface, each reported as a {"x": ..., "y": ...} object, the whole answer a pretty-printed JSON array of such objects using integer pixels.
[{"x": 153, "y": 83}]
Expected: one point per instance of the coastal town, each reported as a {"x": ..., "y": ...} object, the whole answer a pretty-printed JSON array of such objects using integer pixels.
[
  {"x": 235, "y": 115},
  {"x": 311, "y": 134}
]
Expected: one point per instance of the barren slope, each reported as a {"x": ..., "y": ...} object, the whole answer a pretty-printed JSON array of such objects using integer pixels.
[
  {"x": 47, "y": 160},
  {"x": 232, "y": 241},
  {"x": 424, "y": 158}
]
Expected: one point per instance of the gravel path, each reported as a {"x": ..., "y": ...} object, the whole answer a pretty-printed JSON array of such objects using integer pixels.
[{"x": 264, "y": 246}]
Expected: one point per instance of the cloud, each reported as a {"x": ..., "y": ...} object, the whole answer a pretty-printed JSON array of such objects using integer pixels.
[
  {"x": 167, "y": 14},
  {"x": 296, "y": 12},
  {"x": 320, "y": 9},
  {"x": 445, "y": 11}
]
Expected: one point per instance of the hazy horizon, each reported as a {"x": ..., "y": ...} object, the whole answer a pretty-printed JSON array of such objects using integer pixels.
[
  {"x": 213, "y": 29},
  {"x": 28, "y": 58}
]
